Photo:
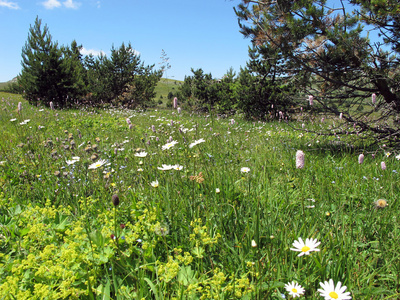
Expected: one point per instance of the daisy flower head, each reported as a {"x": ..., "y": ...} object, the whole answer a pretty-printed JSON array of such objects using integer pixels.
[
  {"x": 294, "y": 289},
  {"x": 25, "y": 122},
  {"x": 141, "y": 154},
  {"x": 196, "y": 143},
  {"x": 154, "y": 183},
  {"x": 98, "y": 164},
  {"x": 71, "y": 162},
  {"x": 307, "y": 247},
  {"x": 177, "y": 167},
  {"x": 329, "y": 291},
  {"x": 169, "y": 145},
  {"x": 165, "y": 167},
  {"x": 245, "y": 170},
  {"x": 398, "y": 156}
]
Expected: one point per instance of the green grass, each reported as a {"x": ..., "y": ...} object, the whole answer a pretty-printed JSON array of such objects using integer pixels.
[{"x": 193, "y": 235}]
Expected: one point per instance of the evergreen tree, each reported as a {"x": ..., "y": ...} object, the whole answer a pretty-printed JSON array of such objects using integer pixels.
[
  {"x": 109, "y": 78},
  {"x": 47, "y": 71},
  {"x": 326, "y": 53}
]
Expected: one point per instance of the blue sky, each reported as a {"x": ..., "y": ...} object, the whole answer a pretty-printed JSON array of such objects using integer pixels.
[{"x": 193, "y": 33}]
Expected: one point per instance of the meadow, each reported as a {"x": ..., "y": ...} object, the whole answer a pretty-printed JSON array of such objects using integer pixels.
[{"x": 156, "y": 204}]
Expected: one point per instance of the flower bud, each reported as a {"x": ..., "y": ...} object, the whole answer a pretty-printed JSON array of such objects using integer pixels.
[{"x": 115, "y": 200}]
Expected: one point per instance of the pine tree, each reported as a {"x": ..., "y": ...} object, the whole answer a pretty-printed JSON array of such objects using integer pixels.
[
  {"x": 47, "y": 70},
  {"x": 325, "y": 51}
]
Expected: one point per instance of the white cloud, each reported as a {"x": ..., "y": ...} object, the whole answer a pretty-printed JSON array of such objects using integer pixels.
[
  {"x": 71, "y": 4},
  {"x": 50, "y": 4},
  {"x": 8, "y": 4},
  {"x": 94, "y": 52}
]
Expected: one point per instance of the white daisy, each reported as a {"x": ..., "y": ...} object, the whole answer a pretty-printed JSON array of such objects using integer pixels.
[
  {"x": 196, "y": 143},
  {"x": 154, "y": 183},
  {"x": 217, "y": 190},
  {"x": 169, "y": 145},
  {"x": 329, "y": 291},
  {"x": 73, "y": 160},
  {"x": 177, "y": 167},
  {"x": 165, "y": 167},
  {"x": 25, "y": 122},
  {"x": 141, "y": 154},
  {"x": 97, "y": 164},
  {"x": 307, "y": 247},
  {"x": 294, "y": 289},
  {"x": 140, "y": 170},
  {"x": 13, "y": 120},
  {"x": 245, "y": 170},
  {"x": 398, "y": 156}
]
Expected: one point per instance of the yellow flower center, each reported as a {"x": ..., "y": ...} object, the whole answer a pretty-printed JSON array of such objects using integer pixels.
[
  {"x": 305, "y": 248},
  {"x": 333, "y": 295},
  {"x": 294, "y": 290}
]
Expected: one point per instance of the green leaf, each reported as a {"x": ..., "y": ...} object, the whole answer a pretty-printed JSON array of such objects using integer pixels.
[
  {"x": 106, "y": 291},
  {"x": 24, "y": 232},
  {"x": 198, "y": 252},
  {"x": 152, "y": 287},
  {"x": 186, "y": 275}
]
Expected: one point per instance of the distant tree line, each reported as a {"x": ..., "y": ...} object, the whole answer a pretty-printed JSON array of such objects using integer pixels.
[
  {"x": 256, "y": 91},
  {"x": 62, "y": 75}
]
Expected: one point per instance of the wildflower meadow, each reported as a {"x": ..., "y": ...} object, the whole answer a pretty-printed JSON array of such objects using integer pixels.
[{"x": 169, "y": 204}]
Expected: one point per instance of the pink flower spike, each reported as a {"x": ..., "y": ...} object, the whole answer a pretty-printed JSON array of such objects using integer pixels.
[
  {"x": 311, "y": 100},
  {"x": 299, "y": 159}
]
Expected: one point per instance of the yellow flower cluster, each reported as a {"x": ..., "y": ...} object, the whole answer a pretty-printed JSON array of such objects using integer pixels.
[
  {"x": 167, "y": 271},
  {"x": 201, "y": 235},
  {"x": 220, "y": 286},
  {"x": 54, "y": 255}
]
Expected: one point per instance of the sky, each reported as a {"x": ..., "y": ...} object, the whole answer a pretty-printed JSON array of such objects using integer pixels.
[{"x": 193, "y": 33}]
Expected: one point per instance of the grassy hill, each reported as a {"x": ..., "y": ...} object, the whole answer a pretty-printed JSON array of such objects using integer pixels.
[
  {"x": 165, "y": 86},
  {"x": 4, "y": 85}
]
